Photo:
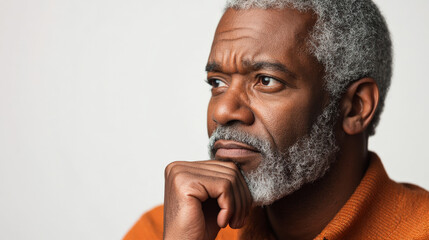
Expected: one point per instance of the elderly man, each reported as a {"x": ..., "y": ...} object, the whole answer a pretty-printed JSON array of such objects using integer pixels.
[{"x": 297, "y": 88}]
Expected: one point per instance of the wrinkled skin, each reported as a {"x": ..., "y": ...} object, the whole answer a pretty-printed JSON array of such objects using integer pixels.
[
  {"x": 276, "y": 104},
  {"x": 264, "y": 82}
]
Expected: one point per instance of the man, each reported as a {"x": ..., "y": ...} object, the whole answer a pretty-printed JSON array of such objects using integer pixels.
[{"x": 297, "y": 89}]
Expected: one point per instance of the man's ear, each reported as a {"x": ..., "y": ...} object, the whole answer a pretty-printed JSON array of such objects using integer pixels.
[{"x": 358, "y": 105}]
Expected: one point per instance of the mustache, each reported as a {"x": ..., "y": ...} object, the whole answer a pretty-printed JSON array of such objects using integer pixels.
[{"x": 233, "y": 133}]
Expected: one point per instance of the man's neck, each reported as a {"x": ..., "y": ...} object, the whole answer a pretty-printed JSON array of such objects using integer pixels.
[{"x": 305, "y": 213}]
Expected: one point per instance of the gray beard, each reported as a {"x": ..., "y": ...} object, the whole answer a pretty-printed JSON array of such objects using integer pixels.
[{"x": 281, "y": 173}]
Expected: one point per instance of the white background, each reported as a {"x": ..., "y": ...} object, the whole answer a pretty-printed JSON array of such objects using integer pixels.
[{"x": 96, "y": 97}]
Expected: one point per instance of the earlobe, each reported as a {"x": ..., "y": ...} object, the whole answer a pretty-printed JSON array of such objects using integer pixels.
[{"x": 358, "y": 105}]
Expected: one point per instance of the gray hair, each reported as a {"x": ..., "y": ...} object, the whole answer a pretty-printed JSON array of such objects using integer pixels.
[{"x": 350, "y": 39}]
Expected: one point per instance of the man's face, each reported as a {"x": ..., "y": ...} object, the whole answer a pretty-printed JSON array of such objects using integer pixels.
[{"x": 265, "y": 83}]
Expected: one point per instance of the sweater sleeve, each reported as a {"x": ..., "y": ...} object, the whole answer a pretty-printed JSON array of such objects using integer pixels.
[{"x": 149, "y": 226}]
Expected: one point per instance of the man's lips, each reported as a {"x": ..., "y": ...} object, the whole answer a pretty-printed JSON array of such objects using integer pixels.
[
  {"x": 229, "y": 144},
  {"x": 232, "y": 150}
]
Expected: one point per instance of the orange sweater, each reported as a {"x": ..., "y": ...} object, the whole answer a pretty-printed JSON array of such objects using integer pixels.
[{"x": 378, "y": 209}]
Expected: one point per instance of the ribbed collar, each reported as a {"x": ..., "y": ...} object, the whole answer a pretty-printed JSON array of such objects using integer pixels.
[{"x": 365, "y": 202}]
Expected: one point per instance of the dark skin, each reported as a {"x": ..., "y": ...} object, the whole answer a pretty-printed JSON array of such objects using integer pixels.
[{"x": 265, "y": 82}]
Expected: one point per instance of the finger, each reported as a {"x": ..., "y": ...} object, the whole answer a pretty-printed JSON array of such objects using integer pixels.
[
  {"x": 244, "y": 207},
  {"x": 234, "y": 221},
  {"x": 195, "y": 167},
  {"x": 246, "y": 197},
  {"x": 214, "y": 175},
  {"x": 228, "y": 164},
  {"x": 241, "y": 195},
  {"x": 203, "y": 164},
  {"x": 222, "y": 190}
]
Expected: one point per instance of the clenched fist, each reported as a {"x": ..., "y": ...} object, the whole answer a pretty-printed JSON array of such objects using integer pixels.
[{"x": 202, "y": 197}]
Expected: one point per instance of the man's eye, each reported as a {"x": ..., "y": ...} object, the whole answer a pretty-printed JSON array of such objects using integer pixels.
[
  {"x": 268, "y": 81},
  {"x": 215, "y": 83}
]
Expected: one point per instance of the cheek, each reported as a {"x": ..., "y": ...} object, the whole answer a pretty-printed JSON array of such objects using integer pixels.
[
  {"x": 286, "y": 121},
  {"x": 285, "y": 125},
  {"x": 211, "y": 125}
]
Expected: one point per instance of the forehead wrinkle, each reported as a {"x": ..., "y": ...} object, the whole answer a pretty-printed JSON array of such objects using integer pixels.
[
  {"x": 235, "y": 39},
  {"x": 228, "y": 58},
  {"x": 235, "y": 29},
  {"x": 231, "y": 65},
  {"x": 238, "y": 33},
  {"x": 228, "y": 61}
]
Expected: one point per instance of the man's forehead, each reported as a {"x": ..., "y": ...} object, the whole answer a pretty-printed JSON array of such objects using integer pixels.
[
  {"x": 254, "y": 39},
  {"x": 266, "y": 21}
]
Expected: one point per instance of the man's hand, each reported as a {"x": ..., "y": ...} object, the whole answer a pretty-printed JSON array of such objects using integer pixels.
[{"x": 202, "y": 197}]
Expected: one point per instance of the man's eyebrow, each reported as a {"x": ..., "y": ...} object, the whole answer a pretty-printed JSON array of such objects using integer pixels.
[
  {"x": 213, "y": 67},
  {"x": 253, "y": 66},
  {"x": 261, "y": 65}
]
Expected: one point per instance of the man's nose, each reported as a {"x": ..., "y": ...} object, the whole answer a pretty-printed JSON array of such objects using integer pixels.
[{"x": 233, "y": 106}]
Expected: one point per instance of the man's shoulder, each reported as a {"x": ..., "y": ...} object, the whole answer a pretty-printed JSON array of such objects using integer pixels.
[
  {"x": 381, "y": 208},
  {"x": 401, "y": 198},
  {"x": 149, "y": 226},
  {"x": 414, "y": 193},
  {"x": 408, "y": 205},
  {"x": 412, "y": 198},
  {"x": 413, "y": 202},
  {"x": 407, "y": 208}
]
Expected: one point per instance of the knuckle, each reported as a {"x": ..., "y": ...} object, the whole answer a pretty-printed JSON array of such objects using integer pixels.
[
  {"x": 234, "y": 168},
  {"x": 167, "y": 169},
  {"x": 172, "y": 168},
  {"x": 231, "y": 165}
]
